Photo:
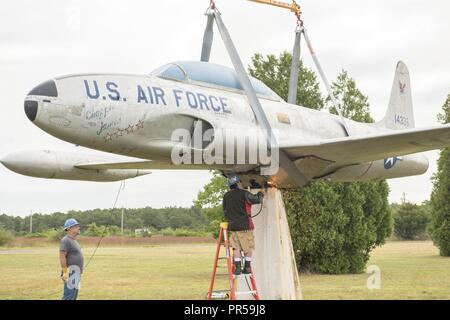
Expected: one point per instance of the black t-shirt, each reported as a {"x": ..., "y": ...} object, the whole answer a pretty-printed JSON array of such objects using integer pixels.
[{"x": 237, "y": 206}]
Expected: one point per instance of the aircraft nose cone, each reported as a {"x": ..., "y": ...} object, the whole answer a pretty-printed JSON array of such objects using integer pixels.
[
  {"x": 47, "y": 89},
  {"x": 31, "y": 108}
]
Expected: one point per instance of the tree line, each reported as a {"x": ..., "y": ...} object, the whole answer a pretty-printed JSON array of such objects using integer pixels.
[
  {"x": 155, "y": 219},
  {"x": 411, "y": 221}
]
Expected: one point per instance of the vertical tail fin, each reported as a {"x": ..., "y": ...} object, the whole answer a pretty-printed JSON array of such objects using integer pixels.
[{"x": 400, "y": 110}]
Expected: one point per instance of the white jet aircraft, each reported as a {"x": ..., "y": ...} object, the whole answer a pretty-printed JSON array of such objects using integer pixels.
[{"x": 136, "y": 116}]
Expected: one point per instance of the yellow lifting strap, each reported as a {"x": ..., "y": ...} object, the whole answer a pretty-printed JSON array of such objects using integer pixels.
[{"x": 294, "y": 7}]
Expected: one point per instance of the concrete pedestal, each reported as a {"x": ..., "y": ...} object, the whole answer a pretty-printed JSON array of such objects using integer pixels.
[{"x": 273, "y": 262}]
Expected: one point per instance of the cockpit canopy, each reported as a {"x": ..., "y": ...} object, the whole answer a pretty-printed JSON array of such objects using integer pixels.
[{"x": 210, "y": 74}]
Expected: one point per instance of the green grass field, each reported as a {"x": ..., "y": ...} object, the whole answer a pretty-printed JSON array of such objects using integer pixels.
[{"x": 409, "y": 270}]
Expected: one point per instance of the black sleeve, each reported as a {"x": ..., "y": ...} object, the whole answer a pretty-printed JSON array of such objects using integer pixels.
[
  {"x": 254, "y": 198},
  {"x": 224, "y": 210}
]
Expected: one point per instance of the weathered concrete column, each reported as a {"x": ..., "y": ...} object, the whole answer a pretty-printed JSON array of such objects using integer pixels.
[{"x": 273, "y": 259}]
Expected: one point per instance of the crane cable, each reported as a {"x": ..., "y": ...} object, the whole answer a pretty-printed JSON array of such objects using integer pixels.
[{"x": 121, "y": 187}]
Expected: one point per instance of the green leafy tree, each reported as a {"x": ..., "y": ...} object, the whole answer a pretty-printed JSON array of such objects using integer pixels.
[
  {"x": 275, "y": 72},
  {"x": 5, "y": 236},
  {"x": 353, "y": 103},
  {"x": 94, "y": 230},
  {"x": 209, "y": 200},
  {"x": 213, "y": 192},
  {"x": 440, "y": 197},
  {"x": 410, "y": 221}
]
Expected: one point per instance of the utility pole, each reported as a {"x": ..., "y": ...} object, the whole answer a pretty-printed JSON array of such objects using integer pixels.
[
  {"x": 31, "y": 222},
  {"x": 404, "y": 198},
  {"x": 122, "y": 221}
]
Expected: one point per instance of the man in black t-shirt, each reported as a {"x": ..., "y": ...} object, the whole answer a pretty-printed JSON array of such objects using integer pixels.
[{"x": 237, "y": 207}]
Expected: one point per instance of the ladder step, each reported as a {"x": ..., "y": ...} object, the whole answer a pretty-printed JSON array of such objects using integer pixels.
[
  {"x": 220, "y": 296},
  {"x": 243, "y": 275},
  {"x": 245, "y": 292},
  {"x": 222, "y": 258}
]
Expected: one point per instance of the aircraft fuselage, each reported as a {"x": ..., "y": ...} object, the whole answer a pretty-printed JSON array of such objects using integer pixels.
[{"x": 136, "y": 115}]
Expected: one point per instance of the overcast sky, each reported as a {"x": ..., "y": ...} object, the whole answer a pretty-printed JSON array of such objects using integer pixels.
[{"x": 43, "y": 39}]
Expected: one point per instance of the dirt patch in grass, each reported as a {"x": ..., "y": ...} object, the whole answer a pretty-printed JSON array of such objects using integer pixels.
[{"x": 113, "y": 241}]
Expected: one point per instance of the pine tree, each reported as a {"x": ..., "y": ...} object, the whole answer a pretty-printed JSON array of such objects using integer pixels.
[
  {"x": 439, "y": 228},
  {"x": 337, "y": 236}
]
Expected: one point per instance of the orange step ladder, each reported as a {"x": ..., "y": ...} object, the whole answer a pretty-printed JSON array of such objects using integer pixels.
[{"x": 231, "y": 293}]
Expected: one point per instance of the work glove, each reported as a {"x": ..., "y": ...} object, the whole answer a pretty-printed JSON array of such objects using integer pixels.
[{"x": 64, "y": 275}]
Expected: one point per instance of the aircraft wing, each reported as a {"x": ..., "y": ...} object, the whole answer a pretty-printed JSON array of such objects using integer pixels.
[
  {"x": 359, "y": 149},
  {"x": 343, "y": 151}
]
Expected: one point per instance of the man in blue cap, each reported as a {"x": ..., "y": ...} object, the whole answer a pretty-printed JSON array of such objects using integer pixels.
[
  {"x": 237, "y": 207},
  {"x": 71, "y": 259}
]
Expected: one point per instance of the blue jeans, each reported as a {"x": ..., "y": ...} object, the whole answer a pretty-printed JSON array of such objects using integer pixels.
[{"x": 70, "y": 292}]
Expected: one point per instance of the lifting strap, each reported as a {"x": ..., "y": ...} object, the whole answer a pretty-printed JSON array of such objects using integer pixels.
[
  {"x": 207, "y": 37},
  {"x": 293, "y": 78},
  {"x": 324, "y": 79},
  {"x": 287, "y": 164}
]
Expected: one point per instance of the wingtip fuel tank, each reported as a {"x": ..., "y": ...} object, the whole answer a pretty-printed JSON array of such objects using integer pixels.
[{"x": 62, "y": 165}]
